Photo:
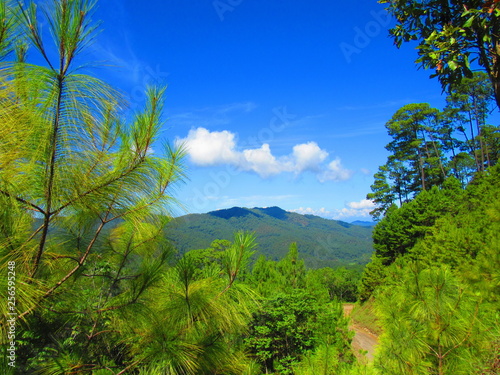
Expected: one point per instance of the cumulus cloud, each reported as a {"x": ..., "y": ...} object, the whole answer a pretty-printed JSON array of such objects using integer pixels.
[
  {"x": 322, "y": 212},
  {"x": 207, "y": 148},
  {"x": 210, "y": 148},
  {"x": 358, "y": 210},
  {"x": 308, "y": 156},
  {"x": 364, "y": 204},
  {"x": 261, "y": 161}
]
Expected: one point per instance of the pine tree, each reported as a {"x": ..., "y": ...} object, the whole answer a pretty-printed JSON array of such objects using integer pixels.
[{"x": 84, "y": 194}]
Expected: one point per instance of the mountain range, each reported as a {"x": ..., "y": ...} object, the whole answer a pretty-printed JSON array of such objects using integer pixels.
[{"x": 321, "y": 242}]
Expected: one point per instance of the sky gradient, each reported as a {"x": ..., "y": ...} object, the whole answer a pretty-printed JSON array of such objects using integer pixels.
[{"x": 280, "y": 103}]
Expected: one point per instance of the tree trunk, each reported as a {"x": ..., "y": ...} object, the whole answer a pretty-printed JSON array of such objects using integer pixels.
[
  {"x": 495, "y": 71},
  {"x": 496, "y": 85}
]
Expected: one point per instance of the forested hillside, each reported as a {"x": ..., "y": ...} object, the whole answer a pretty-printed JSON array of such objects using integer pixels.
[
  {"x": 435, "y": 280},
  {"x": 321, "y": 242}
]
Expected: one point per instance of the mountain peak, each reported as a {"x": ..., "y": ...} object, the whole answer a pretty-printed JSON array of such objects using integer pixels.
[
  {"x": 276, "y": 212},
  {"x": 238, "y": 212},
  {"x": 228, "y": 213}
]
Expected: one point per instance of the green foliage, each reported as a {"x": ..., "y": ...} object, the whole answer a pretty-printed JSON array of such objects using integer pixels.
[
  {"x": 434, "y": 275},
  {"x": 298, "y": 324},
  {"x": 264, "y": 277},
  {"x": 373, "y": 276},
  {"x": 333, "y": 353},
  {"x": 84, "y": 194},
  {"x": 237, "y": 256},
  {"x": 383, "y": 194},
  {"x": 460, "y": 235},
  {"x": 432, "y": 324},
  {"x": 340, "y": 283},
  {"x": 414, "y": 148},
  {"x": 466, "y": 114},
  {"x": 208, "y": 261},
  {"x": 287, "y": 275},
  {"x": 364, "y": 315},
  {"x": 446, "y": 225},
  {"x": 292, "y": 269},
  {"x": 398, "y": 232},
  {"x": 291, "y": 325}
]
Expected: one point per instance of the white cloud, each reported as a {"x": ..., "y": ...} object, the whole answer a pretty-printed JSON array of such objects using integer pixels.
[
  {"x": 362, "y": 205},
  {"x": 335, "y": 172},
  {"x": 262, "y": 161},
  {"x": 210, "y": 148},
  {"x": 308, "y": 156},
  {"x": 352, "y": 211},
  {"x": 207, "y": 148},
  {"x": 355, "y": 210},
  {"x": 322, "y": 212}
]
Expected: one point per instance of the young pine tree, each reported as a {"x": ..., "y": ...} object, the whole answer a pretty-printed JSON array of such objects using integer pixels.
[{"x": 432, "y": 325}]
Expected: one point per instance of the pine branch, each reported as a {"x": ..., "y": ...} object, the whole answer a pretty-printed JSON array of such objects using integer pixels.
[
  {"x": 33, "y": 206},
  {"x": 126, "y": 369},
  {"x": 97, "y": 188},
  {"x": 469, "y": 333},
  {"x": 52, "y": 170},
  {"x": 70, "y": 273}
]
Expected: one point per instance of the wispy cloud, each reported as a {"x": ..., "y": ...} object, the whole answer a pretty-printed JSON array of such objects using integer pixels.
[
  {"x": 209, "y": 148},
  {"x": 367, "y": 130},
  {"x": 351, "y": 211},
  {"x": 134, "y": 73},
  {"x": 380, "y": 105},
  {"x": 211, "y": 116}
]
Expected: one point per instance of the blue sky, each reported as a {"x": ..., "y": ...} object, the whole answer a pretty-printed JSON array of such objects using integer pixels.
[{"x": 279, "y": 102}]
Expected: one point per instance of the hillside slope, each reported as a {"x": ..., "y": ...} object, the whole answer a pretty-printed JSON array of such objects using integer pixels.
[{"x": 321, "y": 242}]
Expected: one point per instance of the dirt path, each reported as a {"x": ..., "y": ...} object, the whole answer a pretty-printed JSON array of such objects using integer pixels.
[{"x": 363, "y": 339}]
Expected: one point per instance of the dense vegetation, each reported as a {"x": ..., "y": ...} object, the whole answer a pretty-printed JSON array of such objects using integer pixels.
[
  {"x": 91, "y": 283},
  {"x": 434, "y": 277},
  {"x": 322, "y": 242}
]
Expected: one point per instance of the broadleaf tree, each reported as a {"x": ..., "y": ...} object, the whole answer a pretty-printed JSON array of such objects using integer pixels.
[{"x": 454, "y": 38}]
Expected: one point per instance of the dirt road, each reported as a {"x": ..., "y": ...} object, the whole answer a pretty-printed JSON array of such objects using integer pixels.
[{"x": 363, "y": 339}]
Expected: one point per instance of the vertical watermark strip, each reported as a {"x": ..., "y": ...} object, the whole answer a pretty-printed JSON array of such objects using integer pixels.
[{"x": 11, "y": 314}]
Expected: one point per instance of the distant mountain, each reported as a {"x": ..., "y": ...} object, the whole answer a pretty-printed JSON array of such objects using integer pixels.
[
  {"x": 364, "y": 223},
  {"x": 321, "y": 242}
]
